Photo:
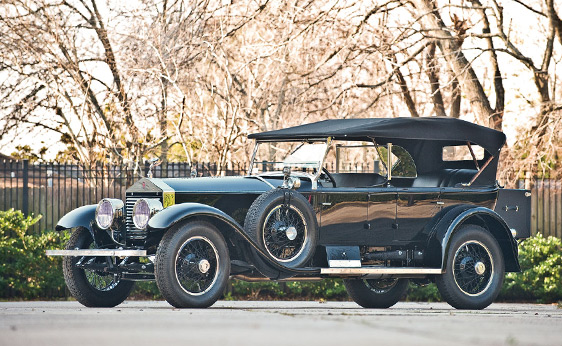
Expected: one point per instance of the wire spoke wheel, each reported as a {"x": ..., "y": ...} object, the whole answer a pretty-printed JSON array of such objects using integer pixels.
[
  {"x": 376, "y": 293},
  {"x": 285, "y": 233},
  {"x": 192, "y": 265},
  {"x": 381, "y": 286},
  {"x": 473, "y": 267},
  {"x": 93, "y": 288},
  {"x": 283, "y": 224},
  {"x": 101, "y": 282},
  {"x": 196, "y": 265}
]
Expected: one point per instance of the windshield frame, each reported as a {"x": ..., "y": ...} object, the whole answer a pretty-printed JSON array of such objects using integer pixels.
[{"x": 314, "y": 178}]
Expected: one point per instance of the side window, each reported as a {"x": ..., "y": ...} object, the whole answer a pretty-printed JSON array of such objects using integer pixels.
[
  {"x": 357, "y": 158},
  {"x": 402, "y": 163},
  {"x": 462, "y": 153}
]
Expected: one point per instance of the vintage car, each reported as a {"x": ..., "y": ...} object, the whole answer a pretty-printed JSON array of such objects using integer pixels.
[{"x": 376, "y": 202}]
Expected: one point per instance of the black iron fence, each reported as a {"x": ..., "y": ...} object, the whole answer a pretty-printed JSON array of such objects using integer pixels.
[{"x": 54, "y": 189}]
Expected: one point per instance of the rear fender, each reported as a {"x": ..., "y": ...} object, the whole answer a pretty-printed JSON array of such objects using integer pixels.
[
  {"x": 460, "y": 215},
  {"x": 178, "y": 213}
]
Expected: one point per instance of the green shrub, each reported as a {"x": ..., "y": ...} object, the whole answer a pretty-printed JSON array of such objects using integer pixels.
[
  {"x": 332, "y": 289},
  {"x": 426, "y": 293},
  {"x": 25, "y": 271},
  {"x": 540, "y": 278}
]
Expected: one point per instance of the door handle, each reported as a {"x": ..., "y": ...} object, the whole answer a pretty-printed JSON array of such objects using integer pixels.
[
  {"x": 440, "y": 203},
  {"x": 326, "y": 204}
]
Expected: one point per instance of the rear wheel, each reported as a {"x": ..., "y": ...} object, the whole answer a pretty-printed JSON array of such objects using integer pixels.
[
  {"x": 378, "y": 294},
  {"x": 192, "y": 265},
  {"x": 92, "y": 288},
  {"x": 474, "y": 270}
]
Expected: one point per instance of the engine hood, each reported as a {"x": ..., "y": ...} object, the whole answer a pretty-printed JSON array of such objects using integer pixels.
[{"x": 223, "y": 185}]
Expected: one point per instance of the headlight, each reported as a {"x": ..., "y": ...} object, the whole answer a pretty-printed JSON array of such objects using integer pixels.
[
  {"x": 107, "y": 211},
  {"x": 143, "y": 210}
]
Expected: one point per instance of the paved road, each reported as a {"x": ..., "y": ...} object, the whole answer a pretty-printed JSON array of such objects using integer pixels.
[{"x": 277, "y": 323}]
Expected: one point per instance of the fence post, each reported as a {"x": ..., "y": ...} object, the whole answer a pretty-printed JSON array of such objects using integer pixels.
[{"x": 25, "y": 200}]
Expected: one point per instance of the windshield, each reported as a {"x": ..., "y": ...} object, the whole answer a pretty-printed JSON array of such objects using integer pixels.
[{"x": 300, "y": 157}]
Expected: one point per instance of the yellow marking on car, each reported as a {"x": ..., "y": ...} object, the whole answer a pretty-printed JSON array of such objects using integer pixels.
[{"x": 169, "y": 199}]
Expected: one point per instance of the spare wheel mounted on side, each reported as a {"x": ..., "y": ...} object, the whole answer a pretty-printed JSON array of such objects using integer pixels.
[{"x": 283, "y": 224}]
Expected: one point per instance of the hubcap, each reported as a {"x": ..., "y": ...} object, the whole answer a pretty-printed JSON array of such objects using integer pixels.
[
  {"x": 204, "y": 266},
  {"x": 479, "y": 268},
  {"x": 291, "y": 233}
]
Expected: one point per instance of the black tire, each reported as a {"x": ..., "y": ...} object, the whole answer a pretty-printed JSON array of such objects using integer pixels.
[
  {"x": 376, "y": 294},
  {"x": 474, "y": 269},
  {"x": 192, "y": 265},
  {"x": 283, "y": 224},
  {"x": 92, "y": 288}
]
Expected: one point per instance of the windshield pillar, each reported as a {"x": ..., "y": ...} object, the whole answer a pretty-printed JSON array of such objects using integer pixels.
[{"x": 253, "y": 158}]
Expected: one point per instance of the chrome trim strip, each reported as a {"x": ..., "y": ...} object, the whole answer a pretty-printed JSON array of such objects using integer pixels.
[
  {"x": 96, "y": 252},
  {"x": 384, "y": 270},
  {"x": 262, "y": 180}
]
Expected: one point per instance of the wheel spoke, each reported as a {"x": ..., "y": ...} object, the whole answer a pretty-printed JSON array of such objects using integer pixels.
[
  {"x": 275, "y": 237},
  {"x": 188, "y": 271},
  {"x": 467, "y": 257}
]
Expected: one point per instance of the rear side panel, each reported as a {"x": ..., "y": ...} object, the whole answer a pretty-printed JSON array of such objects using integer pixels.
[{"x": 514, "y": 206}]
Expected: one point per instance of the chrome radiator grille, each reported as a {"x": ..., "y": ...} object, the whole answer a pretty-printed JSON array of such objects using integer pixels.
[{"x": 134, "y": 233}]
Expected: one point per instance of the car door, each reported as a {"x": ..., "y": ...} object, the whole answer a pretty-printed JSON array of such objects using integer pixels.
[
  {"x": 381, "y": 216},
  {"x": 416, "y": 206},
  {"x": 344, "y": 216}
]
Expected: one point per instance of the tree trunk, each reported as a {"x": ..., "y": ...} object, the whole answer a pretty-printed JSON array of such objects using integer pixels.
[
  {"x": 433, "y": 24},
  {"x": 436, "y": 96}
]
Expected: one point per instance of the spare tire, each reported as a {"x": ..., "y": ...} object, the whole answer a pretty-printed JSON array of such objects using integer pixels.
[{"x": 283, "y": 224}]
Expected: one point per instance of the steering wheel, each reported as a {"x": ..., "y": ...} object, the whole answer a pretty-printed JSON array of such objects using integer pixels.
[{"x": 330, "y": 177}]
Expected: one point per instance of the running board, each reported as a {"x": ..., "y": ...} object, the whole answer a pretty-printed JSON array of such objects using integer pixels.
[
  {"x": 97, "y": 252},
  {"x": 380, "y": 271}
]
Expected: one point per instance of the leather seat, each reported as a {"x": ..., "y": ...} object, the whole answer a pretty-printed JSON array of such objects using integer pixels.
[
  {"x": 445, "y": 178},
  {"x": 358, "y": 179}
]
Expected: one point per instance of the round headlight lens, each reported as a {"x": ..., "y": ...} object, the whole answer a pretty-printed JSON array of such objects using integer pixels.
[
  {"x": 104, "y": 214},
  {"x": 141, "y": 213}
]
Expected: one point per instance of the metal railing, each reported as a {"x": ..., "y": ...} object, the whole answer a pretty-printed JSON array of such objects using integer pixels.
[{"x": 53, "y": 189}]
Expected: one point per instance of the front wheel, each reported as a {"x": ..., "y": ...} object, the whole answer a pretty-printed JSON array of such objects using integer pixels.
[
  {"x": 92, "y": 288},
  {"x": 192, "y": 265},
  {"x": 474, "y": 270},
  {"x": 377, "y": 294}
]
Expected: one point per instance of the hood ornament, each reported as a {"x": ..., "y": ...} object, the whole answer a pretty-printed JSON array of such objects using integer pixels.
[{"x": 153, "y": 163}]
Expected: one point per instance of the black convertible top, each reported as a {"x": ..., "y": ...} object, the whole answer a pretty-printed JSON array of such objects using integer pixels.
[{"x": 450, "y": 130}]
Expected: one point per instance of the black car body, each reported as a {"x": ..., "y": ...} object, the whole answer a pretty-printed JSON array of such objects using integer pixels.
[{"x": 414, "y": 209}]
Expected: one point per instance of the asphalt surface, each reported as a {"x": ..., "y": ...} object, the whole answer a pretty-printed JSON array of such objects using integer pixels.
[{"x": 277, "y": 323}]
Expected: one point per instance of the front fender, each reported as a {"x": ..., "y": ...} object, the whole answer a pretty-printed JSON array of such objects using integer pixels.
[
  {"x": 179, "y": 212},
  {"x": 79, "y": 217},
  {"x": 484, "y": 217},
  {"x": 170, "y": 216}
]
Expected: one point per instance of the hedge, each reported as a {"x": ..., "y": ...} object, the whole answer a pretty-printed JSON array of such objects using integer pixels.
[{"x": 26, "y": 273}]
